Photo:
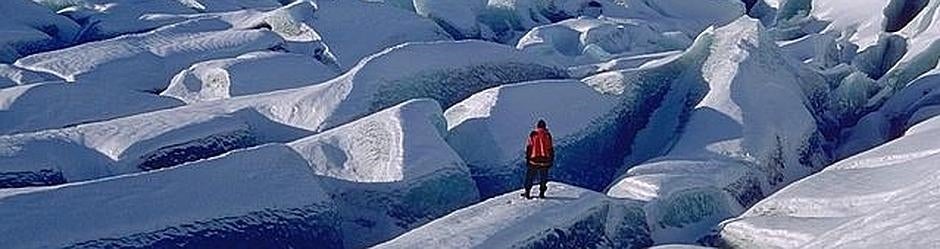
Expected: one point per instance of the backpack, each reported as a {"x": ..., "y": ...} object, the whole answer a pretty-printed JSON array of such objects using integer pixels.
[{"x": 541, "y": 151}]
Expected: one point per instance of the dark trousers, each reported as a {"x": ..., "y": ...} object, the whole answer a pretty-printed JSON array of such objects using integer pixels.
[{"x": 536, "y": 173}]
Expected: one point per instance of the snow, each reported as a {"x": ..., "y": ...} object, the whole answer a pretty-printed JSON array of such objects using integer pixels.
[
  {"x": 251, "y": 73},
  {"x": 569, "y": 217},
  {"x": 752, "y": 133},
  {"x": 27, "y": 28},
  {"x": 266, "y": 199},
  {"x": 28, "y": 108},
  {"x": 884, "y": 197}
]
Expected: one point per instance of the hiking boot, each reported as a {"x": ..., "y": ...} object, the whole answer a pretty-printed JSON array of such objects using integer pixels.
[
  {"x": 527, "y": 196},
  {"x": 541, "y": 195}
]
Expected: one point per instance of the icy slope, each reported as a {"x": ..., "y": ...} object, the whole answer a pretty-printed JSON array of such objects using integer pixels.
[
  {"x": 53, "y": 105},
  {"x": 27, "y": 28},
  {"x": 569, "y": 217},
  {"x": 263, "y": 198},
  {"x": 173, "y": 136},
  {"x": 752, "y": 133},
  {"x": 884, "y": 197},
  {"x": 250, "y": 73}
]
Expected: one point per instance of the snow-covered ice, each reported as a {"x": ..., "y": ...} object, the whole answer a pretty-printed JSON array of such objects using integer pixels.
[
  {"x": 57, "y": 104},
  {"x": 569, "y": 217},
  {"x": 263, "y": 198},
  {"x": 884, "y": 197},
  {"x": 348, "y": 123},
  {"x": 27, "y": 28},
  {"x": 172, "y": 136},
  {"x": 255, "y": 72},
  {"x": 751, "y": 134}
]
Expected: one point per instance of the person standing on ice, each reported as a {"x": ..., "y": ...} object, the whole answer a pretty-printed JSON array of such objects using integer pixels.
[{"x": 539, "y": 156}]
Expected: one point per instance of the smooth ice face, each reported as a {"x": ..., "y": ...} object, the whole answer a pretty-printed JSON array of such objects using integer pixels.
[
  {"x": 251, "y": 73},
  {"x": 266, "y": 197},
  {"x": 878, "y": 198},
  {"x": 569, "y": 217}
]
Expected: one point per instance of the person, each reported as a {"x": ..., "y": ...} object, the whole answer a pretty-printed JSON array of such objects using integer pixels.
[{"x": 539, "y": 156}]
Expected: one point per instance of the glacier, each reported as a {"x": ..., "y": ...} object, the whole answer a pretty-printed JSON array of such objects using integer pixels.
[
  {"x": 401, "y": 123},
  {"x": 187, "y": 133}
]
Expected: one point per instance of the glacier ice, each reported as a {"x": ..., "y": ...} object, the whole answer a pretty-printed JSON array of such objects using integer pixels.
[
  {"x": 11, "y": 75},
  {"x": 147, "y": 61},
  {"x": 103, "y": 19},
  {"x": 883, "y": 197},
  {"x": 586, "y": 40},
  {"x": 631, "y": 109},
  {"x": 254, "y": 72},
  {"x": 569, "y": 217},
  {"x": 386, "y": 172},
  {"x": 263, "y": 198},
  {"x": 753, "y": 132},
  {"x": 377, "y": 27},
  {"x": 173, "y": 136},
  {"x": 28, "y": 28},
  {"x": 57, "y": 104}
]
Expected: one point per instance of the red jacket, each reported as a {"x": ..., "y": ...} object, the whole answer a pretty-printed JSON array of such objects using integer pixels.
[{"x": 539, "y": 150}]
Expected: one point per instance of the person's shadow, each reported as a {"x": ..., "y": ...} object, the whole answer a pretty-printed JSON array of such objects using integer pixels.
[{"x": 560, "y": 198}]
